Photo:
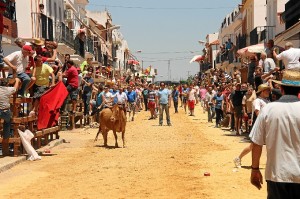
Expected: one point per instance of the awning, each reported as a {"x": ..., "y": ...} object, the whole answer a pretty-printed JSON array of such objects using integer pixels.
[
  {"x": 251, "y": 50},
  {"x": 197, "y": 58},
  {"x": 133, "y": 62}
]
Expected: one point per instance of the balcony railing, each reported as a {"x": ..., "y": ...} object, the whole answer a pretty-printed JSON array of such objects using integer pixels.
[
  {"x": 241, "y": 41},
  {"x": 90, "y": 45},
  {"x": 254, "y": 37},
  {"x": 66, "y": 35},
  {"x": 10, "y": 11}
]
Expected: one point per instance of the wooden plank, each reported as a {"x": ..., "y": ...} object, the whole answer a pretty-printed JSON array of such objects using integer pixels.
[
  {"x": 12, "y": 140},
  {"x": 38, "y": 134},
  {"x": 20, "y": 100}
]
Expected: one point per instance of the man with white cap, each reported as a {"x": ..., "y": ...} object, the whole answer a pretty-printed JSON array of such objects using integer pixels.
[{"x": 278, "y": 127}]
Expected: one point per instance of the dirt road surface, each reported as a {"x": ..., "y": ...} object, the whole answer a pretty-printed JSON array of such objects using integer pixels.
[{"x": 159, "y": 162}]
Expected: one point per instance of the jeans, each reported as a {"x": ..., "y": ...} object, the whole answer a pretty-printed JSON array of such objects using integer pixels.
[
  {"x": 162, "y": 108},
  {"x": 146, "y": 104},
  {"x": 211, "y": 112},
  {"x": 219, "y": 116},
  {"x": 25, "y": 81},
  {"x": 176, "y": 105},
  {"x": 6, "y": 115},
  {"x": 86, "y": 101}
]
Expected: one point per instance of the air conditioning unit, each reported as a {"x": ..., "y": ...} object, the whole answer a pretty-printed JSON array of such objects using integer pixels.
[{"x": 69, "y": 15}]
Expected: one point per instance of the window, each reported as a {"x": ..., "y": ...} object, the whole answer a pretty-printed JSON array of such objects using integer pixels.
[
  {"x": 50, "y": 8},
  {"x": 55, "y": 11},
  {"x": 60, "y": 16}
]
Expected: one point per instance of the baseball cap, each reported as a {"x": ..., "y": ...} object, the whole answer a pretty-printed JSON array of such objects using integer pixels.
[{"x": 27, "y": 48}]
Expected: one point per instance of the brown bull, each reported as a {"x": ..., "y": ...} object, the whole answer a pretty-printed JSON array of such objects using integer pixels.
[{"x": 112, "y": 119}]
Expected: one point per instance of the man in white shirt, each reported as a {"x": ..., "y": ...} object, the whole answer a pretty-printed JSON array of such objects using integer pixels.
[
  {"x": 268, "y": 64},
  {"x": 122, "y": 98},
  {"x": 290, "y": 57},
  {"x": 17, "y": 63},
  {"x": 278, "y": 127}
]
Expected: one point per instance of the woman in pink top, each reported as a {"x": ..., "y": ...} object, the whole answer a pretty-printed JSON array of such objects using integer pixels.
[{"x": 202, "y": 92}]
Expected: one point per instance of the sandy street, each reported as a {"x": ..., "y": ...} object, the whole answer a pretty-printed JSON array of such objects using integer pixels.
[{"x": 159, "y": 162}]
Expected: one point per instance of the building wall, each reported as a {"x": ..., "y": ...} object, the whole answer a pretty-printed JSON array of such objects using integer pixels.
[
  {"x": 259, "y": 13},
  {"x": 27, "y": 12}
]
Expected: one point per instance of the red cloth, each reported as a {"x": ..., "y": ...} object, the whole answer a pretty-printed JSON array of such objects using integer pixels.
[
  {"x": 50, "y": 103},
  {"x": 72, "y": 77}
]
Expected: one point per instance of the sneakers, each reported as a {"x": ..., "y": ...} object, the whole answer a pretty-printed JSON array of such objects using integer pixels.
[{"x": 237, "y": 162}]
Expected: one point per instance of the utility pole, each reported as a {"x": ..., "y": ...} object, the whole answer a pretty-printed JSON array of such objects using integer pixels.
[{"x": 188, "y": 73}]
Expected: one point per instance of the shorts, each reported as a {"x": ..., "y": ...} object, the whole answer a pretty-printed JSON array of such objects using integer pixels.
[
  {"x": 238, "y": 111},
  {"x": 73, "y": 92},
  {"x": 131, "y": 106},
  {"x": 184, "y": 100},
  {"x": 191, "y": 104},
  {"x": 38, "y": 91},
  {"x": 151, "y": 104}
]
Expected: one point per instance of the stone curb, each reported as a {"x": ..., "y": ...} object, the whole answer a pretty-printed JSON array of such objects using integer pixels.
[{"x": 9, "y": 162}]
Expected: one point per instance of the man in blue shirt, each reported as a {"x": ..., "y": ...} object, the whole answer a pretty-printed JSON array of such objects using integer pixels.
[
  {"x": 131, "y": 96},
  {"x": 175, "y": 95},
  {"x": 163, "y": 99}
]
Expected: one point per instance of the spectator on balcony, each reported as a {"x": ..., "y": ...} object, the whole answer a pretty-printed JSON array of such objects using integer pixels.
[
  {"x": 17, "y": 63},
  {"x": 290, "y": 57},
  {"x": 231, "y": 53}
]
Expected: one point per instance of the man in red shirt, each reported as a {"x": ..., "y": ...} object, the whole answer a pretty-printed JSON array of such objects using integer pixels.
[{"x": 72, "y": 83}]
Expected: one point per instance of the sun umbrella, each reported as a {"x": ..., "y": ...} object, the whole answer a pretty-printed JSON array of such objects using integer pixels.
[
  {"x": 197, "y": 58},
  {"x": 133, "y": 62},
  {"x": 251, "y": 50}
]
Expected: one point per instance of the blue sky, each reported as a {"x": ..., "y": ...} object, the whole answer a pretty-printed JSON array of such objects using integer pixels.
[{"x": 167, "y": 29}]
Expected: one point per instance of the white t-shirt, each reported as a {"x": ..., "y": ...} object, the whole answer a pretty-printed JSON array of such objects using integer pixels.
[
  {"x": 278, "y": 126},
  {"x": 259, "y": 103},
  {"x": 122, "y": 98},
  {"x": 17, "y": 59},
  {"x": 108, "y": 98},
  {"x": 192, "y": 94},
  {"x": 290, "y": 58}
]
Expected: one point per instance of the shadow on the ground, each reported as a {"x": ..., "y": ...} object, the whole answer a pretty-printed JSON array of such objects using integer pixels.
[
  {"x": 47, "y": 154},
  {"x": 107, "y": 147}
]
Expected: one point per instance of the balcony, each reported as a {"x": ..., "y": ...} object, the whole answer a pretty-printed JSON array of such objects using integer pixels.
[
  {"x": 89, "y": 52},
  {"x": 65, "y": 40},
  {"x": 291, "y": 14},
  {"x": 79, "y": 55},
  {"x": 254, "y": 37}
]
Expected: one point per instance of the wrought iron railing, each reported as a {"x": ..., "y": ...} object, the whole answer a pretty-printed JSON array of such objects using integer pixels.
[
  {"x": 66, "y": 35},
  {"x": 90, "y": 45}
]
